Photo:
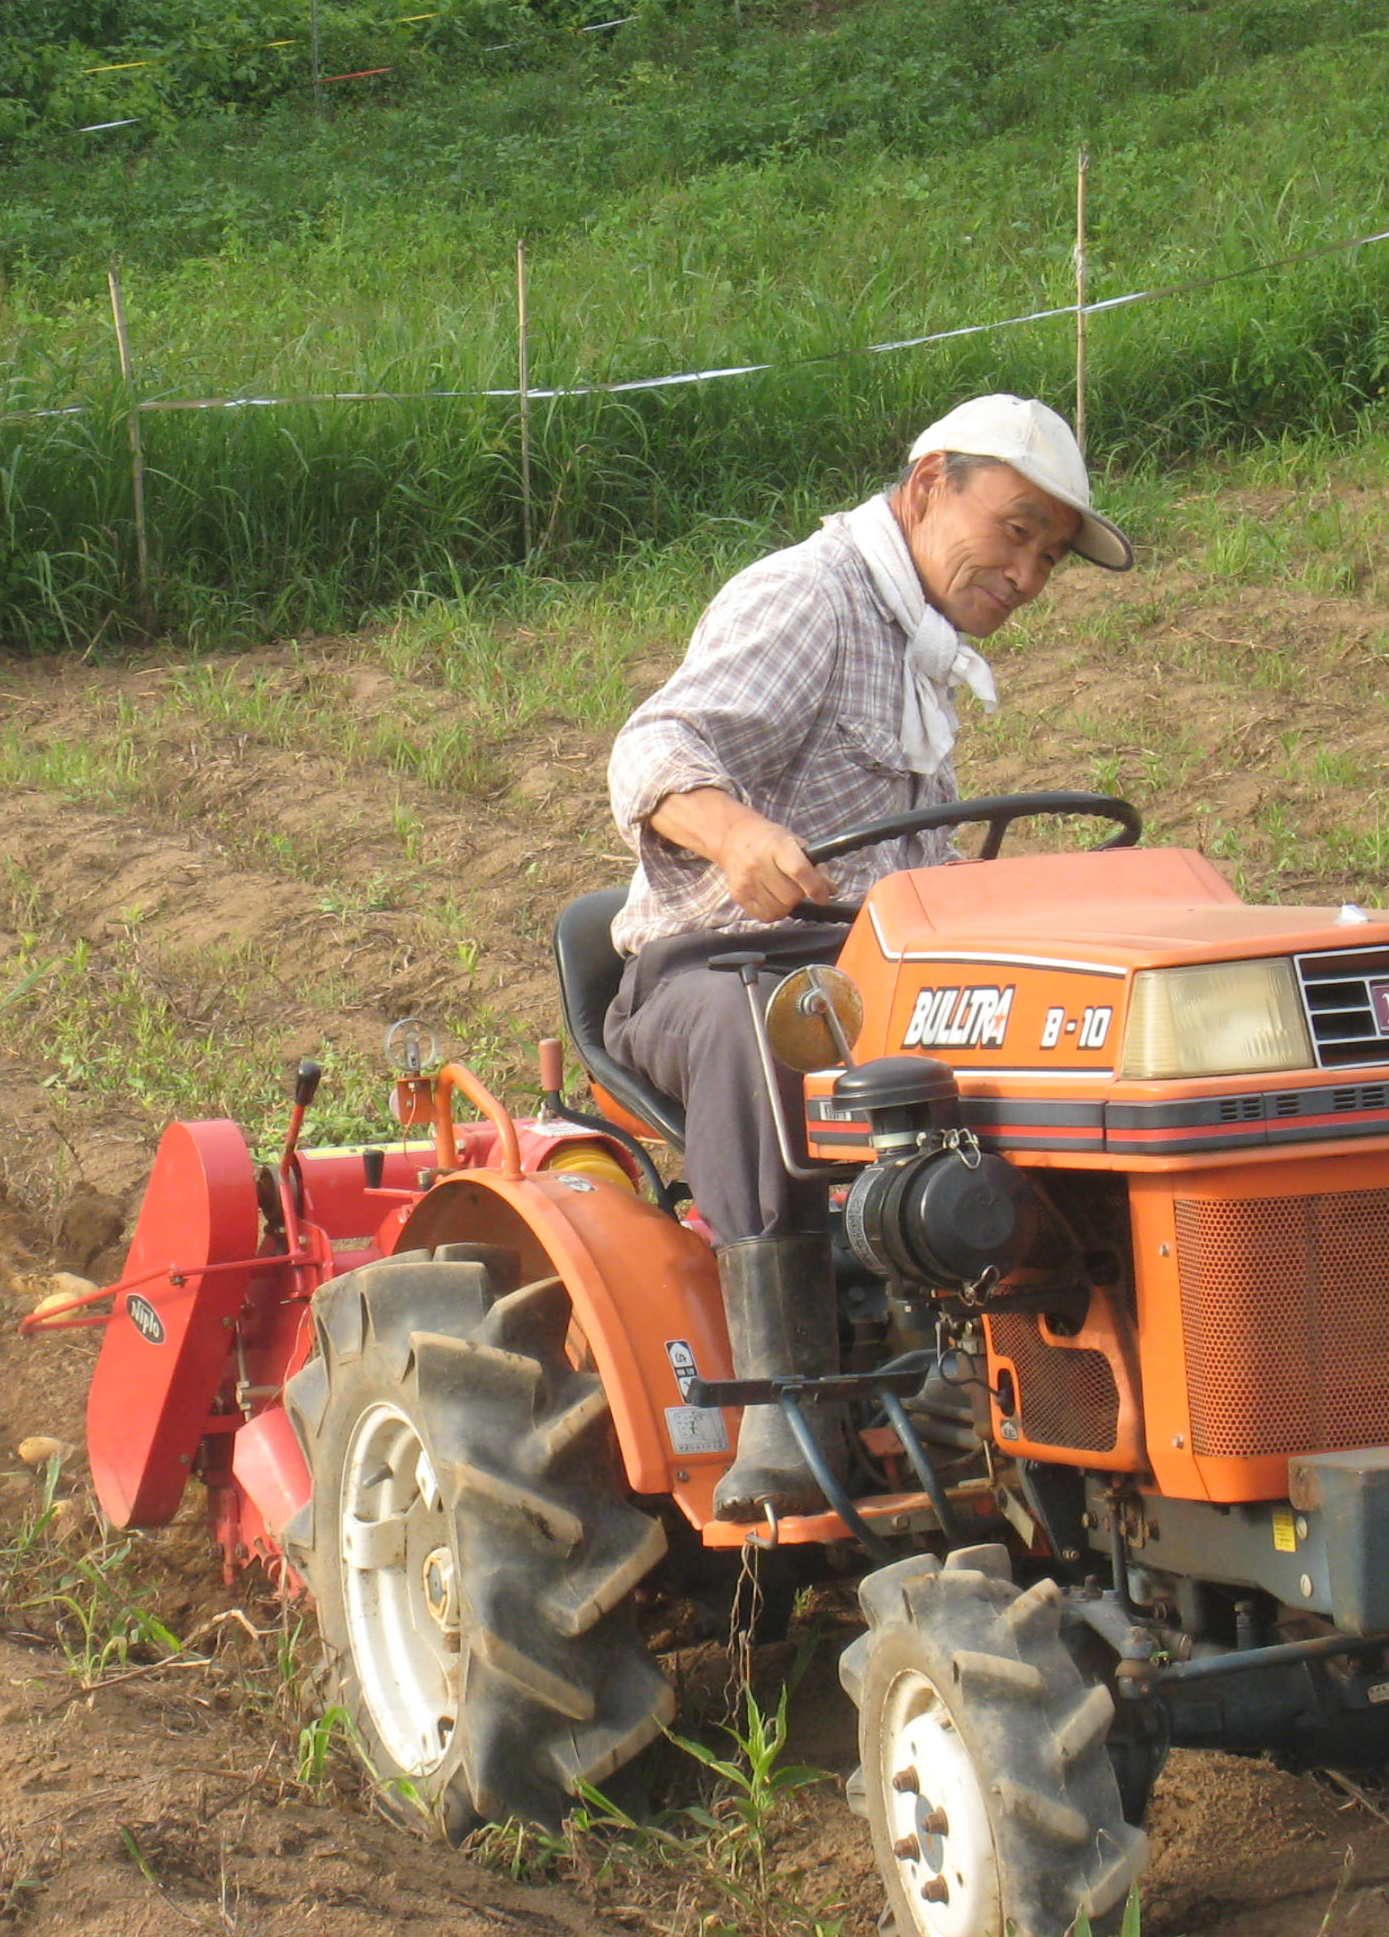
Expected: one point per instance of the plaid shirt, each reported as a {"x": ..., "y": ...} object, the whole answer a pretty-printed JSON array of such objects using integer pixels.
[{"x": 790, "y": 699}]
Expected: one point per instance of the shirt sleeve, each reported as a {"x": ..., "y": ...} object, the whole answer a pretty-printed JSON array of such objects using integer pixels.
[{"x": 738, "y": 710}]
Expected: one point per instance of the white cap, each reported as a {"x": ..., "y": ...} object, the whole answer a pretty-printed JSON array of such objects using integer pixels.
[{"x": 1040, "y": 446}]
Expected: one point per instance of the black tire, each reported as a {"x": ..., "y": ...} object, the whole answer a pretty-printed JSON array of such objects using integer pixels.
[
  {"x": 985, "y": 1779},
  {"x": 468, "y": 1543}
]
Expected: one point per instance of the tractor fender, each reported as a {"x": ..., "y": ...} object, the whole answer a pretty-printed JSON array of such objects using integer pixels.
[{"x": 645, "y": 1296}]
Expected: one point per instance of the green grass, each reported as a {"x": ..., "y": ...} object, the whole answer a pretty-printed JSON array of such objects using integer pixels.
[
  {"x": 72, "y": 1577},
  {"x": 694, "y": 195},
  {"x": 166, "y": 1038}
]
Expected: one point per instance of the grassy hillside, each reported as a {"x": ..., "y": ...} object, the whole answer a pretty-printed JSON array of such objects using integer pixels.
[{"x": 697, "y": 190}]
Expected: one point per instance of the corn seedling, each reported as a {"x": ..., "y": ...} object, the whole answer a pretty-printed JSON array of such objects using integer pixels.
[
  {"x": 1131, "y": 1925},
  {"x": 316, "y": 1741},
  {"x": 83, "y": 1599}
]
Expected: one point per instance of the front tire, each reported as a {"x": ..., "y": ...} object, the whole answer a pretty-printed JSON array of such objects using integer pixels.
[
  {"x": 468, "y": 1544},
  {"x": 985, "y": 1779}
]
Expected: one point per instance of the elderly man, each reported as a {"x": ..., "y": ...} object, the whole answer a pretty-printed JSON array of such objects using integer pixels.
[{"x": 815, "y": 696}]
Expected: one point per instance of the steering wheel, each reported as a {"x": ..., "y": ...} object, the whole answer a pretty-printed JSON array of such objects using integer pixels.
[{"x": 997, "y": 811}]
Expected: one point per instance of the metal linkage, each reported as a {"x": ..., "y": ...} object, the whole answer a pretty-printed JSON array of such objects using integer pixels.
[
  {"x": 888, "y": 1388},
  {"x": 1238, "y": 1661}
]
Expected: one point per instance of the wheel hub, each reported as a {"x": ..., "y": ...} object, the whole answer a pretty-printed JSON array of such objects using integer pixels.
[
  {"x": 400, "y": 1588},
  {"x": 441, "y": 1588},
  {"x": 938, "y": 1821}
]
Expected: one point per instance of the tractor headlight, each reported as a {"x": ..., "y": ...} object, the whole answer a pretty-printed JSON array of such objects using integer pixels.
[{"x": 1221, "y": 1019}]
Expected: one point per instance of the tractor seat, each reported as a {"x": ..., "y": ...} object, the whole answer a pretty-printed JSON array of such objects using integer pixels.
[{"x": 590, "y": 969}]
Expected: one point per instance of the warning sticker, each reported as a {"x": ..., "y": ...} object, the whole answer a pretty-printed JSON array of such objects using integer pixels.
[
  {"x": 696, "y": 1429},
  {"x": 682, "y": 1364},
  {"x": 1284, "y": 1531}
]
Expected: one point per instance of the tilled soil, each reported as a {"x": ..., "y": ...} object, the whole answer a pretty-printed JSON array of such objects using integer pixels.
[{"x": 167, "y": 1798}]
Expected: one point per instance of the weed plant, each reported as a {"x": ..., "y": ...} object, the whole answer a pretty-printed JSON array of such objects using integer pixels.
[
  {"x": 697, "y": 191},
  {"x": 78, "y": 1592},
  {"x": 716, "y": 1858},
  {"x": 125, "y": 1030}
]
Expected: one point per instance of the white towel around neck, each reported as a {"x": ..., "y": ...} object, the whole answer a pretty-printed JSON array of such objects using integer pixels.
[{"x": 937, "y": 658}]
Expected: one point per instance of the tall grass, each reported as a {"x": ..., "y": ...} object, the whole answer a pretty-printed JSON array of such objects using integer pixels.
[{"x": 803, "y": 236}]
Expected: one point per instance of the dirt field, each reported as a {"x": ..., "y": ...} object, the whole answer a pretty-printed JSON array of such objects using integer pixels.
[{"x": 233, "y": 872}]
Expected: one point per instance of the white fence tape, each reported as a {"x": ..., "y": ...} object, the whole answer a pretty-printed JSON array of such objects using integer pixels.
[
  {"x": 324, "y": 80},
  {"x": 683, "y": 377}
]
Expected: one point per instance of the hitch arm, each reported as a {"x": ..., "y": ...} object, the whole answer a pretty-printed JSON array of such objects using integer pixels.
[{"x": 889, "y": 1388}]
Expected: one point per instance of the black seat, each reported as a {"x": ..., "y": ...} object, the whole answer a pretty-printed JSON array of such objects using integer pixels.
[{"x": 590, "y": 969}]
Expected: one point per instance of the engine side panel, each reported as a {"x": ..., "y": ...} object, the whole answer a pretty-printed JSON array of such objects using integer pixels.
[
  {"x": 1261, "y": 1298},
  {"x": 1076, "y": 1396}
]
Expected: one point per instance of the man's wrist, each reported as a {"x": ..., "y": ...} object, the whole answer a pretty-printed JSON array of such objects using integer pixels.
[{"x": 700, "y": 820}]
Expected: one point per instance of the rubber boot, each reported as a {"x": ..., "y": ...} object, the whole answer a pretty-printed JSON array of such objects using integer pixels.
[{"x": 779, "y": 1297}]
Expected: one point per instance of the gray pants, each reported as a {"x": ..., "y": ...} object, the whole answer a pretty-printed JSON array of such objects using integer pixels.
[{"x": 687, "y": 1029}]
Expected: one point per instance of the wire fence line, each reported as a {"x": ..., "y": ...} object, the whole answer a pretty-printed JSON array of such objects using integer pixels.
[
  {"x": 625, "y": 386},
  {"x": 317, "y": 80}
]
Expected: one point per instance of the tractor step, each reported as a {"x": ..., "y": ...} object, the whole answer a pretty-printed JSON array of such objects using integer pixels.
[{"x": 771, "y": 1392}]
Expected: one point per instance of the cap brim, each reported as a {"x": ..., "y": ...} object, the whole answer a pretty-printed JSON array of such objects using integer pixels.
[{"x": 1101, "y": 542}]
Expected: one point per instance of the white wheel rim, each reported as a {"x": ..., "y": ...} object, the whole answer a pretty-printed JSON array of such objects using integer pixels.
[
  {"x": 399, "y": 1590},
  {"x": 934, "y": 1807}
]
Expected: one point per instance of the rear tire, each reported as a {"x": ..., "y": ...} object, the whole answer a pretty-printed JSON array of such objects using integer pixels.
[
  {"x": 985, "y": 1778},
  {"x": 468, "y": 1542}
]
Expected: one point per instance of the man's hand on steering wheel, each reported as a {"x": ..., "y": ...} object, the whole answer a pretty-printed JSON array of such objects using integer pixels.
[{"x": 767, "y": 870}]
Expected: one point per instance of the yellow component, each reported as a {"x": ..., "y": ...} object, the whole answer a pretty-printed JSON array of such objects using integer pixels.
[
  {"x": 1284, "y": 1530},
  {"x": 1216, "y": 1019},
  {"x": 589, "y": 1159}
]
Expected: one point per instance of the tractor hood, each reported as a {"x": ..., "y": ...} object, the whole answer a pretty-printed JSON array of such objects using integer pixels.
[
  {"x": 1124, "y": 1001},
  {"x": 1129, "y": 907}
]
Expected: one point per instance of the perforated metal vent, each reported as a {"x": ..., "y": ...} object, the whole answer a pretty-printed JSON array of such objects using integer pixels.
[
  {"x": 1066, "y": 1394},
  {"x": 1284, "y": 1309},
  {"x": 1347, "y": 998}
]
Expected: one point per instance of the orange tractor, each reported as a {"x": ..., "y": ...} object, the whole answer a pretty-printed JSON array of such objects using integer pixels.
[{"x": 1108, "y": 1155}]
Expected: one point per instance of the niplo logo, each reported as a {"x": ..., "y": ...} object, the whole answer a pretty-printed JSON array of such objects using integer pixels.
[{"x": 145, "y": 1319}]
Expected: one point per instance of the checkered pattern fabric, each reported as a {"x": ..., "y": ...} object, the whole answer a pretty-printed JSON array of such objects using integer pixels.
[{"x": 790, "y": 699}]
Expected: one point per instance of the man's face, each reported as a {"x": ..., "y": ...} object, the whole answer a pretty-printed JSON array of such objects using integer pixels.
[{"x": 983, "y": 549}]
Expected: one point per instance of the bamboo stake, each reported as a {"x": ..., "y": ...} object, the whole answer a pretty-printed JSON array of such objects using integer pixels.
[
  {"x": 313, "y": 57},
  {"x": 524, "y": 386},
  {"x": 137, "y": 462},
  {"x": 1082, "y": 167}
]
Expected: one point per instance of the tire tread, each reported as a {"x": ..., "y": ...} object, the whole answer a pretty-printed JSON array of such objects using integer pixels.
[
  {"x": 555, "y": 1683},
  {"x": 1035, "y": 1732}
]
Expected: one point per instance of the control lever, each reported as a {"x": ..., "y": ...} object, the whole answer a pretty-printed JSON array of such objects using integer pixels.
[{"x": 747, "y": 966}]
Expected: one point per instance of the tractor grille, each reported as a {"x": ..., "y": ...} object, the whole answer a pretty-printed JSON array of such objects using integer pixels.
[
  {"x": 1066, "y": 1393},
  {"x": 1284, "y": 1303},
  {"x": 1347, "y": 998}
]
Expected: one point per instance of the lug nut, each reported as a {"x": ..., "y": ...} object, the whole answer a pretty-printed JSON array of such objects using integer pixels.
[
  {"x": 937, "y": 1890},
  {"x": 907, "y": 1848},
  {"x": 907, "y": 1781},
  {"x": 936, "y": 1823}
]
